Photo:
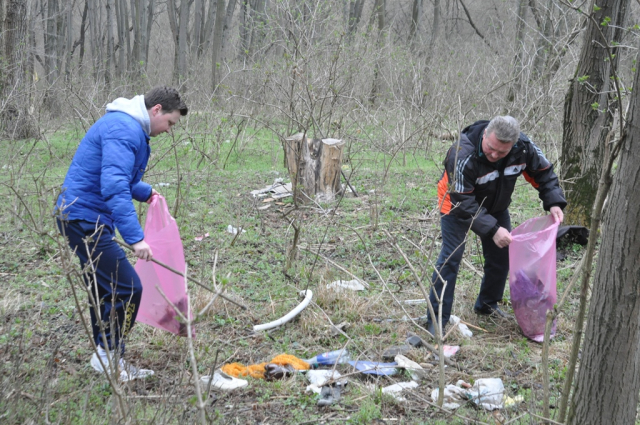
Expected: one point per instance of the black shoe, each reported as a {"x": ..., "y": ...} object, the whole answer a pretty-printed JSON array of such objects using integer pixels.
[
  {"x": 492, "y": 311},
  {"x": 432, "y": 329}
]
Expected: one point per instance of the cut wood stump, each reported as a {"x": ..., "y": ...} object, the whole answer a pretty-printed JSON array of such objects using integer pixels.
[{"x": 314, "y": 167}]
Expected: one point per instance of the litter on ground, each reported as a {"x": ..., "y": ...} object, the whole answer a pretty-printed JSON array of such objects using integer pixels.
[
  {"x": 223, "y": 381},
  {"x": 395, "y": 389},
  {"x": 352, "y": 285}
]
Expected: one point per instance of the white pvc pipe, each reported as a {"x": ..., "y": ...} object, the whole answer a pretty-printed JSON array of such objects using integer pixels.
[{"x": 293, "y": 313}]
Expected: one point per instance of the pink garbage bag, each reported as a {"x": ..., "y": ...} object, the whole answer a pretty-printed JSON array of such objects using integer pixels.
[
  {"x": 532, "y": 274},
  {"x": 162, "y": 235}
]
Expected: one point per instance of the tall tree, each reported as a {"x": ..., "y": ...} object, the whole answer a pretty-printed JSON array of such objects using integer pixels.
[
  {"x": 179, "y": 23},
  {"x": 217, "y": 45},
  {"x": 608, "y": 381},
  {"x": 589, "y": 109},
  {"x": 518, "y": 64},
  {"x": 15, "y": 83}
]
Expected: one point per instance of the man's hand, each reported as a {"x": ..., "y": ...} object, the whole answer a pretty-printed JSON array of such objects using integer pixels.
[
  {"x": 502, "y": 237},
  {"x": 142, "y": 250},
  {"x": 153, "y": 193},
  {"x": 557, "y": 214}
]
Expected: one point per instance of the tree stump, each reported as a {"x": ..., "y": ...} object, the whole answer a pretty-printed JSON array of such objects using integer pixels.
[{"x": 314, "y": 167}]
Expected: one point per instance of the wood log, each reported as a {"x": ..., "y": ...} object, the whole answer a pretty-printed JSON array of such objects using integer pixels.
[{"x": 314, "y": 167}]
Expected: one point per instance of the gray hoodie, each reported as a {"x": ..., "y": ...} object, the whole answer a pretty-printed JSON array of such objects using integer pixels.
[{"x": 134, "y": 107}]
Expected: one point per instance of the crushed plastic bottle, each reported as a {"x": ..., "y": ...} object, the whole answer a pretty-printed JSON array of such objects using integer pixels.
[{"x": 330, "y": 358}]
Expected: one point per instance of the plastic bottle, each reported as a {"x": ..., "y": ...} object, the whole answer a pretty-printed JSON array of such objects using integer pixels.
[{"x": 330, "y": 358}]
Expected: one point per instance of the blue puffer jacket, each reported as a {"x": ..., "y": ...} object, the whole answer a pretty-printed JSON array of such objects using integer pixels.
[{"x": 106, "y": 170}]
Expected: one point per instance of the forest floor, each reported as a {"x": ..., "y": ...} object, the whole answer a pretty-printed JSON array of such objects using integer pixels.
[{"x": 45, "y": 351}]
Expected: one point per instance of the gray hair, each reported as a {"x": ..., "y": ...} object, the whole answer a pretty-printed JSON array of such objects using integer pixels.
[{"x": 506, "y": 128}]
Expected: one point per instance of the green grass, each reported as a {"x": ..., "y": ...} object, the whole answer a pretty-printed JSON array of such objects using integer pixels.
[{"x": 210, "y": 170}]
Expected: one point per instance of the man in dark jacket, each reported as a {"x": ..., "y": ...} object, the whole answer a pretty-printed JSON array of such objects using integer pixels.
[
  {"x": 104, "y": 177},
  {"x": 474, "y": 193}
]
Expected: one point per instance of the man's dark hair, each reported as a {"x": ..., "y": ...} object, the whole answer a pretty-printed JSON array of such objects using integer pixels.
[{"x": 167, "y": 97}]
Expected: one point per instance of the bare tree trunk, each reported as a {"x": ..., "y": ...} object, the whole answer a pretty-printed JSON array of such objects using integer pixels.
[
  {"x": 355, "y": 14},
  {"x": 379, "y": 11},
  {"x": 208, "y": 27},
  {"x": 198, "y": 19},
  {"x": 608, "y": 381},
  {"x": 83, "y": 28},
  {"x": 94, "y": 38},
  {"x": 590, "y": 107},
  {"x": 258, "y": 25},
  {"x": 231, "y": 7},
  {"x": 110, "y": 43},
  {"x": 245, "y": 34},
  {"x": 15, "y": 121},
  {"x": 50, "y": 40},
  {"x": 183, "y": 25},
  {"x": 147, "y": 33},
  {"x": 69, "y": 41},
  {"x": 217, "y": 44},
  {"x": 416, "y": 14},
  {"x": 518, "y": 65}
]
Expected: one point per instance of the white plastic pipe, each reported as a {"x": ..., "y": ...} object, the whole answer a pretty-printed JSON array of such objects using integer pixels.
[{"x": 293, "y": 313}]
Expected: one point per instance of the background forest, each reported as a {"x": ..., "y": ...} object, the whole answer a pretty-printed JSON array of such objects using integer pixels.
[{"x": 396, "y": 80}]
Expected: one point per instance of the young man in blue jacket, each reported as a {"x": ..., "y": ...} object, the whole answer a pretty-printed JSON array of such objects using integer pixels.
[
  {"x": 474, "y": 193},
  {"x": 104, "y": 177}
]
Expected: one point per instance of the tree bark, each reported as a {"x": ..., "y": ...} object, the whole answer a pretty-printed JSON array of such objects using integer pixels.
[
  {"x": 231, "y": 7},
  {"x": 216, "y": 54},
  {"x": 608, "y": 381},
  {"x": 518, "y": 65},
  {"x": 416, "y": 14},
  {"x": 355, "y": 14},
  {"x": 314, "y": 167},
  {"x": 589, "y": 110},
  {"x": 110, "y": 43},
  {"x": 15, "y": 121}
]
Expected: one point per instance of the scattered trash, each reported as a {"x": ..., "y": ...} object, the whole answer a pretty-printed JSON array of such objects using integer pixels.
[
  {"x": 234, "y": 230},
  {"x": 391, "y": 352},
  {"x": 163, "y": 184},
  {"x": 330, "y": 358},
  {"x": 276, "y": 371},
  {"x": 223, "y": 381},
  {"x": 415, "y": 302},
  {"x": 415, "y": 341},
  {"x": 293, "y": 313},
  {"x": 395, "y": 389},
  {"x": 352, "y": 285},
  {"x": 330, "y": 394},
  {"x": 201, "y": 237},
  {"x": 375, "y": 368},
  {"x": 486, "y": 393},
  {"x": 318, "y": 378},
  {"x": 462, "y": 328},
  {"x": 276, "y": 191},
  {"x": 415, "y": 370},
  {"x": 259, "y": 371},
  {"x": 512, "y": 401},
  {"x": 448, "y": 350},
  {"x": 454, "y": 396}
]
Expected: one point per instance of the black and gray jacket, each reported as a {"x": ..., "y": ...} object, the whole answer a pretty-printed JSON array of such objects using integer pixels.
[{"x": 471, "y": 186}]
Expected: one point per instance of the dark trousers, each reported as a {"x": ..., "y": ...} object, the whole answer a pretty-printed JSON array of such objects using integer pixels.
[
  {"x": 496, "y": 265},
  {"x": 109, "y": 277}
]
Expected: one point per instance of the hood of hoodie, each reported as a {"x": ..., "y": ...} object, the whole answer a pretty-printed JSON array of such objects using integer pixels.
[{"x": 134, "y": 107}]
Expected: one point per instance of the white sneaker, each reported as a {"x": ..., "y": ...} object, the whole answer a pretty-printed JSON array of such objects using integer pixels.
[
  {"x": 127, "y": 371},
  {"x": 223, "y": 381}
]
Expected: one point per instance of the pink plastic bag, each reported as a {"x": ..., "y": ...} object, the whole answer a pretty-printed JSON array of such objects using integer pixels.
[
  {"x": 162, "y": 235},
  {"x": 532, "y": 274}
]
